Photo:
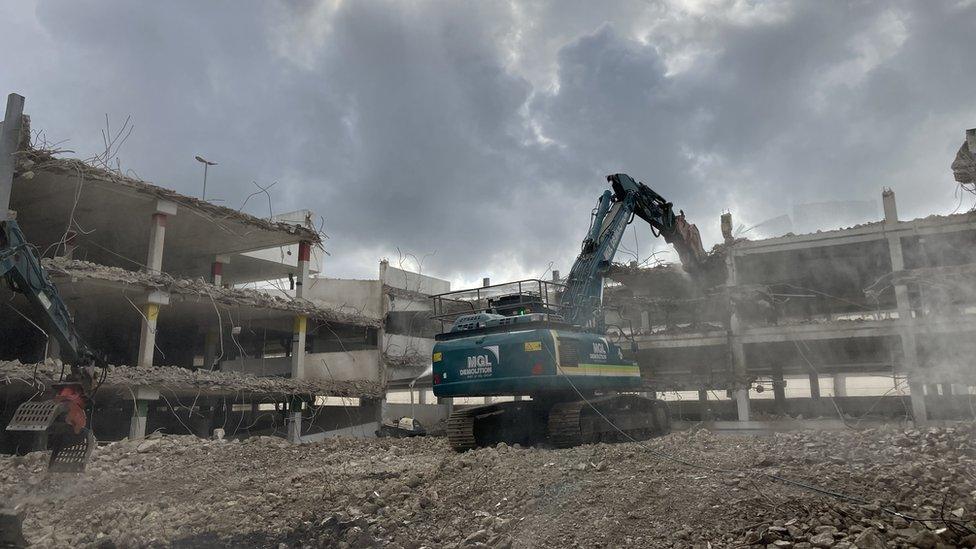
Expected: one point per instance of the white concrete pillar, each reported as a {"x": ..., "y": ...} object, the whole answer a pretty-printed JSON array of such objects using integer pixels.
[
  {"x": 645, "y": 321},
  {"x": 144, "y": 397},
  {"x": 917, "y": 393},
  {"x": 890, "y": 208},
  {"x": 137, "y": 424},
  {"x": 742, "y": 404},
  {"x": 298, "y": 338},
  {"x": 840, "y": 385},
  {"x": 909, "y": 345},
  {"x": 147, "y": 335},
  {"x": 157, "y": 234},
  {"x": 738, "y": 353}
]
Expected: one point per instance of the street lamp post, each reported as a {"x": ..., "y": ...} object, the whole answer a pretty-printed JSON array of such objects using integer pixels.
[{"x": 206, "y": 164}]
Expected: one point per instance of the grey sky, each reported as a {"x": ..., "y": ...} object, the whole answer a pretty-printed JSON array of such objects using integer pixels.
[{"x": 482, "y": 130}]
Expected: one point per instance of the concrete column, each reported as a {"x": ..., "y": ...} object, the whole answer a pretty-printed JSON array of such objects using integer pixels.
[
  {"x": 147, "y": 335},
  {"x": 840, "y": 385},
  {"x": 738, "y": 354},
  {"x": 217, "y": 269},
  {"x": 645, "y": 321},
  {"x": 779, "y": 390},
  {"x": 909, "y": 344},
  {"x": 422, "y": 396},
  {"x": 742, "y": 404},
  {"x": 9, "y": 141},
  {"x": 137, "y": 424},
  {"x": 703, "y": 411},
  {"x": 255, "y": 411},
  {"x": 814, "y": 386},
  {"x": 144, "y": 397},
  {"x": 298, "y": 339},
  {"x": 154, "y": 263},
  {"x": 919, "y": 411},
  {"x": 211, "y": 342},
  {"x": 157, "y": 234}
]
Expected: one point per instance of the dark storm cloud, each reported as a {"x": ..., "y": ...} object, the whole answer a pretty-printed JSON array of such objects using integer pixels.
[{"x": 482, "y": 130}]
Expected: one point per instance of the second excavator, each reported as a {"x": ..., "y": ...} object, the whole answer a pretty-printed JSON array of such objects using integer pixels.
[{"x": 547, "y": 341}]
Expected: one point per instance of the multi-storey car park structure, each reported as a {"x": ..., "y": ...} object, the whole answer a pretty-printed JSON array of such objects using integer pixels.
[
  {"x": 155, "y": 279},
  {"x": 266, "y": 344},
  {"x": 889, "y": 298}
]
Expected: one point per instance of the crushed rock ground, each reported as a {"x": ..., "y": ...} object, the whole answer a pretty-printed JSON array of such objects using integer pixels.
[{"x": 181, "y": 491}]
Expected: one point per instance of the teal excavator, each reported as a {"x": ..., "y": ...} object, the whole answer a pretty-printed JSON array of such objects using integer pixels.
[{"x": 547, "y": 340}]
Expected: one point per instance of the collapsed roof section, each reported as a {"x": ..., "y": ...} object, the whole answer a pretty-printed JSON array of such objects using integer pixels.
[{"x": 108, "y": 214}]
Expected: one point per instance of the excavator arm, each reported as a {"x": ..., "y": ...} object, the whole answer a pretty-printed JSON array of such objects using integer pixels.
[
  {"x": 62, "y": 416},
  {"x": 615, "y": 210},
  {"x": 21, "y": 267}
]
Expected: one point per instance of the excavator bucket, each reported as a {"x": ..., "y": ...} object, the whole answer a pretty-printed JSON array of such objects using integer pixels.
[
  {"x": 69, "y": 450},
  {"x": 70, "y": 447},
  {"x": 37, "y": 415}
]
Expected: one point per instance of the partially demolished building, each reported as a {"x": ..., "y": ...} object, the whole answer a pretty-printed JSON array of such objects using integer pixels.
[
  {"x": 890, "y": 298},
  {"x": 157, "y": 279}
]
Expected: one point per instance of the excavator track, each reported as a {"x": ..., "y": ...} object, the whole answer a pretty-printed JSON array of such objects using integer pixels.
[
  {"x": 460, "y": 429},
  {"x": 509, "y": 422},
  {"x": 611, "y": 418},
  {"x": 616, "y": 418}
]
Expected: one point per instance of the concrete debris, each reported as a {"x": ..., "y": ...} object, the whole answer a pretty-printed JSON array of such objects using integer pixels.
[
  {"x": 77, "y": 269},
  {"x": 964, "y": 165},
  {"x": 411, "y": 493},
  {"x": 41, "y": 161},
  {"x": 408, "y": 360},
  {"x": 172, "y": 377}
]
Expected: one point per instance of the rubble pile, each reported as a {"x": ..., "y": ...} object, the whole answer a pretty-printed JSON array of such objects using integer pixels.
[
  {"x": 199, "y": 288},
  {"x": 172, "y": 377},
  {"x": 187, "y": 492}
]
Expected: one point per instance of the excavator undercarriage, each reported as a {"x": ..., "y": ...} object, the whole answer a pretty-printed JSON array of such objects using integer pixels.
[{"x": 562, "y": 424}]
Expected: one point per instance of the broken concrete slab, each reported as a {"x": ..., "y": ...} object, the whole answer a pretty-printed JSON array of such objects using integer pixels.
[
  {"x": 174, "y": 378},
  {"x": 198, "y": 288}
]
